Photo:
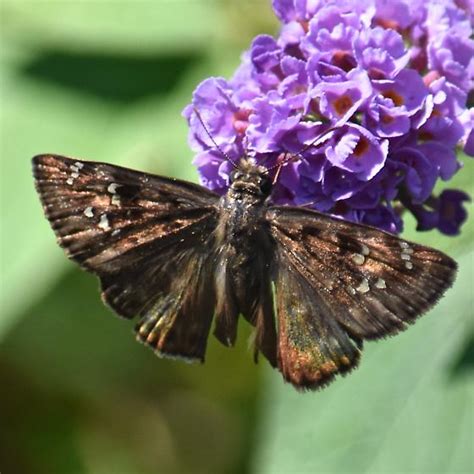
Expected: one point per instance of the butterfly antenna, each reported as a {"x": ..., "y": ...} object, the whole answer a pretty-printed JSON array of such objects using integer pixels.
[
  {"x": 222, "y": 152},
  {"x": 279, "y": 166}
]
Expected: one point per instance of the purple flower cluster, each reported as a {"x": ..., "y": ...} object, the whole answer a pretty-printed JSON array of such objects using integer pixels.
[{"x": 363, "y": 100}]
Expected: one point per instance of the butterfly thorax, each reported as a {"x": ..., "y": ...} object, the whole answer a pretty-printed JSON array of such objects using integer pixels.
[
  {"x": 242, "y": 233},
  {"x": 244, "y": 205}
]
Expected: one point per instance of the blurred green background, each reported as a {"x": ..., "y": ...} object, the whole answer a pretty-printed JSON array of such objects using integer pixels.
[{"x": 107, "y": 81}]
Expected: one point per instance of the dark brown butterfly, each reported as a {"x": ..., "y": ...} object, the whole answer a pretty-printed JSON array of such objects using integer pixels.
[{"x": 178, "y": 256}]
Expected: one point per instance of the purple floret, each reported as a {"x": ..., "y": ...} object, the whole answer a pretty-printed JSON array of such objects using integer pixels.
[
  {"x": 445, "y": 213},
  {"x": 361, "y": 102}
]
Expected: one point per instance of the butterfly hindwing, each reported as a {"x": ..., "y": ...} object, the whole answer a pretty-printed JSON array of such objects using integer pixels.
[
  {"x": 147, "y": 238},
  {"x": 178, "y": 323},
  {"x": 312, "y": 347}
]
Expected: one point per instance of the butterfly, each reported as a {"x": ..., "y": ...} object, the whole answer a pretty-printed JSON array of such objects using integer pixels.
[{"x": 179, "y": 257}]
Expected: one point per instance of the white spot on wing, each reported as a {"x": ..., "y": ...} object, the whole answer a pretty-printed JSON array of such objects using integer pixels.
[
  {"x": 364, "y": 286},
  {"x": 104, "y": 222},
  {"x": 409, "y": 265},
  {"x": 88, "y": 212},
  {"x": 406, "y": 256},
  {"x": 365, "y": 250},
  {"x": 351, "y": 290},
  {"x": 358, "y": 259},
  {"x": 112, "y": 188},
  {"x": 79, "y": 165},
  {"x": 404, "y": 245},
  {"x": 115, "y": 201},
  {"x": 380, "y": 284},
  {"x": 75, "y": 172}
]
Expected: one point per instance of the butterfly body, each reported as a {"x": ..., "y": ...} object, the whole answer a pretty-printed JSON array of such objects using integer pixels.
[
  {"x": 244, "y": 249},
  {"x": 180, "y": 258}
]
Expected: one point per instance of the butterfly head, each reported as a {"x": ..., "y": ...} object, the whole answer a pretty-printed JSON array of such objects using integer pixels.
[{"x": 251, "y": 178}]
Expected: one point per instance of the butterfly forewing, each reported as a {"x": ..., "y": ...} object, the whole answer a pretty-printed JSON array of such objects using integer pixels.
[{"x": 100, "y": 212}]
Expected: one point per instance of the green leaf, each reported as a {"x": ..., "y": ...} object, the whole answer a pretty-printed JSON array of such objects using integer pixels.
[{"x": 115, "y": 27}]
